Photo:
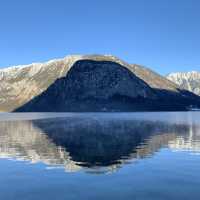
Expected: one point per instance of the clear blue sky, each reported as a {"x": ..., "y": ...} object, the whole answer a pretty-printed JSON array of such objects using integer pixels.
[{"x": 161, "y": 34}]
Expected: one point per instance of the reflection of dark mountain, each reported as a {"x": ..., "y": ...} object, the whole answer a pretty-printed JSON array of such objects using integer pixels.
[
  {"x": 103, "y": 142},
  {"x": 86, "y": 142},
  {"x": 106, "y": 86}
]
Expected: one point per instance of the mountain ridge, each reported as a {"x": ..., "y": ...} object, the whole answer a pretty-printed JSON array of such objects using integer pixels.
[
  {"x": 187, "y": 80},
  {"x": 22, "y": 83}
]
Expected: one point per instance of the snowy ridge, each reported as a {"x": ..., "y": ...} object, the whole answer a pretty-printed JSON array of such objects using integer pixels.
[
  {"x": 187, "y": 80},
  {"x": 66, "y": 58}
]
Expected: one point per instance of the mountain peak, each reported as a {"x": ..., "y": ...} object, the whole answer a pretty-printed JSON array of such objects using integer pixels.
[
  {"x": 187, "y": 80},
  {"x": 20, "y": 84}
]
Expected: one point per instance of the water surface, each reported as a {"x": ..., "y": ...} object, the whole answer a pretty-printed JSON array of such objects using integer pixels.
[{"x": 99, "y": 156}]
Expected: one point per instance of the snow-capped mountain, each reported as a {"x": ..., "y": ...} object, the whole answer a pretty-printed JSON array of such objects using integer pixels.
[
  {"x": 21, "y": 84},
  {"x": 187, "y": 80}
]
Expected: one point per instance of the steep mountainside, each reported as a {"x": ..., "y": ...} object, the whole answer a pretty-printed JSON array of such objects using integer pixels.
[
  {"x": 20, "y": 84},
  {"x": 154, "y": 79},
  {"x": 106, "y": 86},
  {"x": 92, "y": 86},
  {"x": 188, "y": 80}
]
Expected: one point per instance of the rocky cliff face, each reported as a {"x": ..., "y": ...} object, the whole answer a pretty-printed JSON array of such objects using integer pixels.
[
  {"x": 188, "y": 80},
  {"x": 92, "y": 86},
  {"x": 107, "y": 86},
  {"x": 21, "y": 84}
]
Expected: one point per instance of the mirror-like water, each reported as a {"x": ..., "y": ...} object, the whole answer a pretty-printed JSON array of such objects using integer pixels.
[{"x": 100, "y": 156}]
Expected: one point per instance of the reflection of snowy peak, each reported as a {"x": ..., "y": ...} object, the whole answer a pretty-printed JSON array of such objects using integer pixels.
[
  {"x": 187, "y": 80},
  {"x": 21, "y": 140},
  {"x": 191, "y": 143}
]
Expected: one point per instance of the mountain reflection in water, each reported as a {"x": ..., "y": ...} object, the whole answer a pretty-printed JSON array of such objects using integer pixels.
[{"x": 96, "y": 145}]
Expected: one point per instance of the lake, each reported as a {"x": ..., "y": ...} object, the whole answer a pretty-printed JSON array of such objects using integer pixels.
[{"x": 97, "y": 156}]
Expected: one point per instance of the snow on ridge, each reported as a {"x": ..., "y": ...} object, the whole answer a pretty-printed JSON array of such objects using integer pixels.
[
  {"x": 34, "y": 68},
  {"x": 16, "y": 67},
  {"x": 183, "y": 73},
  {"x": 187, "y": 80},
  {"x": 69, "y": 57}
]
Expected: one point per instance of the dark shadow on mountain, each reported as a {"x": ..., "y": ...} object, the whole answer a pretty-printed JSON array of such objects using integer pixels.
[{"x": 106, "y": 86}]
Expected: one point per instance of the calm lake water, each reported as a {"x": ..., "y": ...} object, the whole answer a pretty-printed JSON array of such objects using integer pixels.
[{"x": 97, "y": 156}]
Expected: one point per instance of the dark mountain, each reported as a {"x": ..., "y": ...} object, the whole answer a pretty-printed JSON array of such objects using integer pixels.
[{"x": 99, "y": 85}]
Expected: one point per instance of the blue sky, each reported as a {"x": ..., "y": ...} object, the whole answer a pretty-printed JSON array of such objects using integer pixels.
[{"x": 161, "y": 34}]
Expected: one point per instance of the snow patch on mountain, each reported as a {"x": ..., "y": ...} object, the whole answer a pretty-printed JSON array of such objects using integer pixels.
[{"x": 187, "y": 80}]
